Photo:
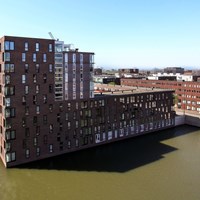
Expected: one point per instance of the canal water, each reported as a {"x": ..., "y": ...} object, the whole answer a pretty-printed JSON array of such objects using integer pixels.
[{"x": 161, "y": 166}]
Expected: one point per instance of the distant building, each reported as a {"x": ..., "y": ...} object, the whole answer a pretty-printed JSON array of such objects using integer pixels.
[
  {"x": 174, "y": 70},
  {"x": 97, "y": 71},
  {"x": 128, "y": 72}
]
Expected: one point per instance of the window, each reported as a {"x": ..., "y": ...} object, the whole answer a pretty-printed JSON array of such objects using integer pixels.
[
  {"x": 26, "y": 89},
  {"x": 50, "y": 68},
  {"x": 7, "y": 79},
  {"x": 44, "y": 78},
  {"x": 37, "y": 130},
  {"x": 26, "y": 68},
  {"x": 37, "y": 109},
  {"x": 9, "y": 90},
  {"x": 34, "y": 99},
  {"x": 34, "y": 78},
  {"x": 9, "y": 45},
  {"x": 23, "y": 78},
  {"x": 26, "y": 110},
  {"x": 10, "y": 157},
  {"x": 35, "y": 141},
  {"x": 26, "y": 46},
  {"x": 37, "y": 46},
  {"x": 74, "y": 57},
  {"x": 37, "y": 89},
  {"x": 51, "y": 148},
  {"x": 34, "y": 57},
  {"x": 27, "y": 132},
  {"x": 9, "y": 68},
  {"x": 44, "y": 57},
  {"x": 7, "y": 56},
  {"x": 23, "y": 100},
  {"x": 10, "y": 134},
  {"x": 51, "y": 128},
  {"x": 81, "y": 58},
  {"x": 50, "y": 48},
  {"x": 44, "y": 98},
  {"x": 51, "y": 107},
  {"x": 37, "y": 68},
  {"x": 23, "y": 57},
  {"x": 37, "y": 151},
  {"x": 27, "y": 152},
  {"x": 7, "y": 102}
]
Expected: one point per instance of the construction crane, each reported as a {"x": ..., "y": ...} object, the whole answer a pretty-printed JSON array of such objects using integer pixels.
[{"x": 52, "y": 37}]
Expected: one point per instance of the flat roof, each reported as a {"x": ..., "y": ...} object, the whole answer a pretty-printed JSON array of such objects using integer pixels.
[{"x": 106, "y": 89}]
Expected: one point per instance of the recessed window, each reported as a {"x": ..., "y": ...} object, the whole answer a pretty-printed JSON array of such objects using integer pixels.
[
  {"x": 50, "y": 47},
  {"x": 26, "y": 89},
  {"x": 34, "y": 57},
  {"x": 24, "y": 100},
  {"x": 50, "y": 88},
  {"x": 10, "y": 134},
  {"x": 27, "y": 152},
  {"x": 26, "y": 68},
  {"x": 44, "y": 98},
  {"x": 34, "y": 78},
  {"x": 7, "y": 56},
  {"x": 26, "y": 110},
  {"x": 37, "y": 46},
  {"x": 51, "y": 128},
  {"x": 37, "y": 109},
  {"x": 7, "y": 102},
  {"x": 9, "y": 45},
  {"x": 23, "y": 57},
  {"x": 37, "y": 151},
  {"x": 7, "y": 79},
  {"x": 9, "y": 90},
  {"x": 35, "y": 141},
  {"x": 35, "y": 120},
  {"x": 44, "y": 78},
  {"x": 44, "y": 57},
  {"x": 37, "y": 89},
  {"x": 37, "y": 68},
  {"x": 23, "y": 78},
  {"x": 50, "y": 68},
  {"x": 34, "y": 99},
  {"x": 26, "y": 46},
  {"x": 9, "y": 68},
  {"x": 37, "y": 130},
  {"x": 51, "y": 148},
  {"x": 10, "y": 157}
]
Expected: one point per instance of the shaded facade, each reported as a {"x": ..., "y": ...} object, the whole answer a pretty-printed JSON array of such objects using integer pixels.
[{"x": 36, "y": 123}]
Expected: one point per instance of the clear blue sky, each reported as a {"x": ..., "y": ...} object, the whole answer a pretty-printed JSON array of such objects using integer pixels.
[{"x": 122, "y": 33}]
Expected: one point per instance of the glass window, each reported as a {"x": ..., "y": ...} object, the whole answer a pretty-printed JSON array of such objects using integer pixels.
[
  {"x": 34, "y": 57},
  {"x": 38, "y": 151},
  {"x": 23, "y": 78},
  {"x": 51, "y": 148},
  {"x": 37, "y": 46},
  {"x": 50, "y": 48},
  {"x": 7, "y": 56},
  {"x": 9, "y": 68},
  {"x": 44, "y": 57},
  {"x": 45, "y": 119},
  {"x": 37, "y": 109},
  {"x": 44, "y": 98},
  {"x": 37, "y": 89},
  {"x": 9, "y": 45},
  {"x": 74, "y": 57},
  {"x": 7, "y": 79},
  {"x": 26, "y": 68},
  {"x": 26, "y": 89},
  {"x": 7, "y": 102},
  {"x": 37, "y": 68},
  {"x": 34, "y": 78},
  {"x": 27, "y": 153},
  {"x": 23, "y": 57},
  {"x": 50, "y": 68},
  {"x": 26, "y": 46}
]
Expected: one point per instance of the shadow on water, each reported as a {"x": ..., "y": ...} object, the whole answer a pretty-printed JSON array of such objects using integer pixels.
[{"x": 120, "y": 156}]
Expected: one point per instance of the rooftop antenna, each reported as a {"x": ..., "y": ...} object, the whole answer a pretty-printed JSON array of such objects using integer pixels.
[{"x": 52, "y": 37}]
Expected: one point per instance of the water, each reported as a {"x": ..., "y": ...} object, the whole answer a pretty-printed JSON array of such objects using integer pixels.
[{"x": 161, "y": 166}]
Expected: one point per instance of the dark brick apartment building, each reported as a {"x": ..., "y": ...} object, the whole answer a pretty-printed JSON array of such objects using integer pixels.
[{"x": 48, "y": 106}]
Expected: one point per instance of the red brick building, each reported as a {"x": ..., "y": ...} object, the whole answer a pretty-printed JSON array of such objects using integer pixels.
[
  {"x": 47, "y": 104},
  {"x": 187, "y": 93}
]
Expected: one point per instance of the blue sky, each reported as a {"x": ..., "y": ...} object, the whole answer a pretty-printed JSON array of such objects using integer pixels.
[{"x": 122, "y": 33}]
